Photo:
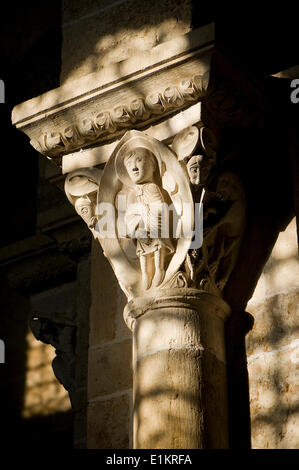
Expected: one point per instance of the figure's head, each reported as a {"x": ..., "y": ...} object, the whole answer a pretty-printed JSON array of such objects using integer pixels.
[
  {"x": 83, "y": 206},
  {"x": 198, "y": 168},
  {"x": 141, "y": 165},
  {"x": 194, "y": 169}
]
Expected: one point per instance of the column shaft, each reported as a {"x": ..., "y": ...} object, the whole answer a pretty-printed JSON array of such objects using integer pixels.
[{"x": 180, "y": 387}]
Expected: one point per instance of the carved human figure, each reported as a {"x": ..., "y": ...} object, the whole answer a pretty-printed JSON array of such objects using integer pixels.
[
  {"x": 81, "y": 187},
  {"x": 210, "y": 266},
  {"x": 223, "y": 228},
  {"x": 193, "y": 168},
  {"x": 85, "y": 207},
  {"x": 230, "y": 227},
  {"x": 193, "y": 149},
  {"x": 198, "y": 168},
  {"x": 145, "y": 219}
]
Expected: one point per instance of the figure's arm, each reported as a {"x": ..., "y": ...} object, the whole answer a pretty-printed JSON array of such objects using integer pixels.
[
  {"x": 135, "y": 220},
  {"x": 155, "y": 209}
]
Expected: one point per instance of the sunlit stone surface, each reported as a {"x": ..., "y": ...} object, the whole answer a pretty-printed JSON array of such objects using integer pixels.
[{"x": 43, "y": 394}]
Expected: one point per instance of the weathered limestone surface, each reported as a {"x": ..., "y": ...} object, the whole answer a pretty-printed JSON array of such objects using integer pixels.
[
  {"x": 44, "y": 395},
  {"x": 109, "y": 362},
  {"x": 109, "y": 368},
  {"x": 180, "y": 389},
  {"x": 107, "y": 32},
  {"x": 107, "y": 304},
  {"x": 109, "y": 422},
  {"x": 273, "y": 348}
]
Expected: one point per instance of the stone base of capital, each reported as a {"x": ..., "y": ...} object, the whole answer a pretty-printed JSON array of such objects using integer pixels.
[{"x": 179, "y": 364}]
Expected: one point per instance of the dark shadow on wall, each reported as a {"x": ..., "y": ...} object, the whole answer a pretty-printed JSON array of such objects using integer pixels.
[
  {"x": 262, "y": 40},
  {"x": 17, "y": 431},
  {"x": 48, "y": 432},
  {"x": 13, "y": 328},
  {"x": 30, "y": 51},
  {"x": 266, "y": 172}
]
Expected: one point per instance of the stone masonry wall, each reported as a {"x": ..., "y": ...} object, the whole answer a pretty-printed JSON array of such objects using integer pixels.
[
  {"x": 109, "y": 363},
  {"x": 273, "y": 348},
  {"x": 97, "y": 33}
]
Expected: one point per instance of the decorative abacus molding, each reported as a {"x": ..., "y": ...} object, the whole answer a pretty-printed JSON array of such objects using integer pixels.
[
  {"x": 97, "y": 126},
  {"x": 100, "y": 107}
]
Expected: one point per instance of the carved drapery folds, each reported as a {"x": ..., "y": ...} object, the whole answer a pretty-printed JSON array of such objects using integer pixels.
[{"x": 165, "y": 216}]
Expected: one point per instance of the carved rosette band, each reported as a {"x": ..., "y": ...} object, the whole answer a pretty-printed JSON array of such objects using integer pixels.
[{"x": 108, "y": 122}]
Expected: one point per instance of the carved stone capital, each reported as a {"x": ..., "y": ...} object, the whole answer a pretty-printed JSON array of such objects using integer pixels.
[{"x": 163, "y": 214}]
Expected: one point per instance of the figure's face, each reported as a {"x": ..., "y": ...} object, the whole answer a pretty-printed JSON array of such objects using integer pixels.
[
  {"x": 194, "y": 174},
  {"x": 84, "y": 208},
  {"x": 140, "y": 166},
  {"x": 198, "y": 170}
]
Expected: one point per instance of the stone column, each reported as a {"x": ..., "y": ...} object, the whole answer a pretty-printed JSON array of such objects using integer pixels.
[
  {"x": 172, "y": 120},
  {"x": 180, "y": 389}
]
